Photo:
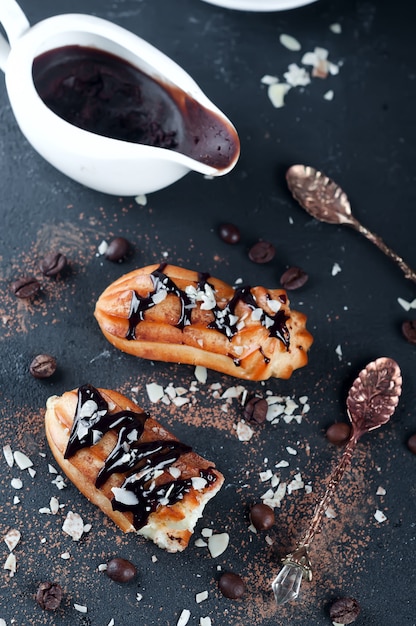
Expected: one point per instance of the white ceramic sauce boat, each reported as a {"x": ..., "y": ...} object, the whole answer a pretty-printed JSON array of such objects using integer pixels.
[{"x": 108, "y": 165}]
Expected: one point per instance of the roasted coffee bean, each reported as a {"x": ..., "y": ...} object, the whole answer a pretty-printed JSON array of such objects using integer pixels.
[
  {"x": 338, "y": 433},
  {"x": 262, "y": 252},
  {"x": 43, "y": 366},
  {"x": 293, "y": 278},
  {"x": 411, "y": 443},
  {"x": 262, "y": 516},
  {"x": 53, "y": 264},
  {"x": 118, "y": 250},
  {"x": 25, "y": 287},
  {"x": 49, "y": 596},
  {"x": 344, "y": 611},
  {"x": 409, "y": 330},
  {"x": 229, "y": 233},
  {"x": 120, "y": 570},
  {"x": 232, "y": 585},
  {"x": 255, "y": 410}
]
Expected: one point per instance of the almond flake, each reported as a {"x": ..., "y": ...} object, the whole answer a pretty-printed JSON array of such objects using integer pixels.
[
  {"x": 206, "y": 532},
  {"x": 16, "y": 483},
  {"x": 45, "y": 510},
  {"x": 274, "y": 305},
  {"x": 291, "y": 450},
  {"x": 8, "y": 455},
  {"x": 10, "y": 564},
  {"x": 267, "y": 80},
  {"x": 290, "y": 406},
  {"x": 276, "y": 93},
  {"x": 289, "y": 42},
  {"x": 102, "y": 248},
  {"x": 297, "y": 76},
  {"x": 203, "y": 621},
  {"x": 200, "y": 597},
  {"x": 200, "y": 543},
  {"x": 379, "y": 516},
  {"x": 336, "y": 268},
  {"x": 141, "y": 199},
  {"x": 22, "y": 461},
  {"x": 295, "y": 484},
  {"x": 198, "y": 483},
  {"x": 330, "y": 512},
  {"x": 59, "y": 482},
  {"x": 282, "y": 464},
  {"x": 380, "y": 491},
  {"x": 265, "y": 476},
  {"x": 81, "y": 608},
  {"x": 407, "y": 305},
  {"x": 73, "y": 526},
  {"x": 233, "y": 392},
  {"x": 201, "y": 374},
  {"x": 183, "y": 618},
  {"x": 329, "y": 95},
  {"x": 174, "y": 471},
  {"x": 244, "y": 432},
  {"x": 65, "y": 556},
  {"x": 217, "y": 544},
  {"x": 155, "y": 392},
  {"x": 12, "y": 538},
  {"x": 335, "y": 28},
  {"x": 180, "y": 401}
]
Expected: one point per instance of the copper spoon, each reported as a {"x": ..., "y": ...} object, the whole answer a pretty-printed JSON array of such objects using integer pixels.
[
  {"x": 371, "y": 402},
  {"x": 322, "y": 198}
]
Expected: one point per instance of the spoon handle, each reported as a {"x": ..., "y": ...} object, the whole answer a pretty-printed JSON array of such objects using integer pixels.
[
  {"x": 376, "y": 240},
  {"x": 334, "y": 479}
]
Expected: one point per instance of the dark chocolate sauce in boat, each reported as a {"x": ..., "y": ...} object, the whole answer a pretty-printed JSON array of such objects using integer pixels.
[
  {"x": 225, "y": 320},
  {"x": 106, "y": 95},
  {"x": 142, "y": 461}
]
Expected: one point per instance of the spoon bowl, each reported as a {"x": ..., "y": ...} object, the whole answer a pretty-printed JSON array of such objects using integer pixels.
[
  {"x": 100, "y": 162},
  {"x": 322, "y": 198}
]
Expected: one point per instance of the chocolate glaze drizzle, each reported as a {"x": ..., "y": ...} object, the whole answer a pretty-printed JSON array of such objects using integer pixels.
[
  {"x": 142, "y": 461},
  {"x": 225, "y": 320},
  {"x": 161, "y": 283}
]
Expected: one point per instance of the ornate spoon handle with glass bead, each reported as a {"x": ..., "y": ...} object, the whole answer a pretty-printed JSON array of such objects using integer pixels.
[{"x": 371, "y": 402}]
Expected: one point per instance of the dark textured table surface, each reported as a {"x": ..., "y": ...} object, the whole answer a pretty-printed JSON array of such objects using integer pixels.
[{"x": 355, "y": 300}]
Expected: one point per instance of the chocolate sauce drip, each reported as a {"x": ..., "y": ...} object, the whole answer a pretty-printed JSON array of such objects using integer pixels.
[
  {"x": 225, "y": 320},
  {"x": 149, "y": 498},
  {"x": 129, "y": 453},
  {"x": 161, "y": 283},
  {"x": 143, "y": 460},
  {"x": 92, "y": 420}
]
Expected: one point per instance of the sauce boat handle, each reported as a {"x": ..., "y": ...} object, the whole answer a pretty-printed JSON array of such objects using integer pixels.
[{"x": 15, "y": 23}]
